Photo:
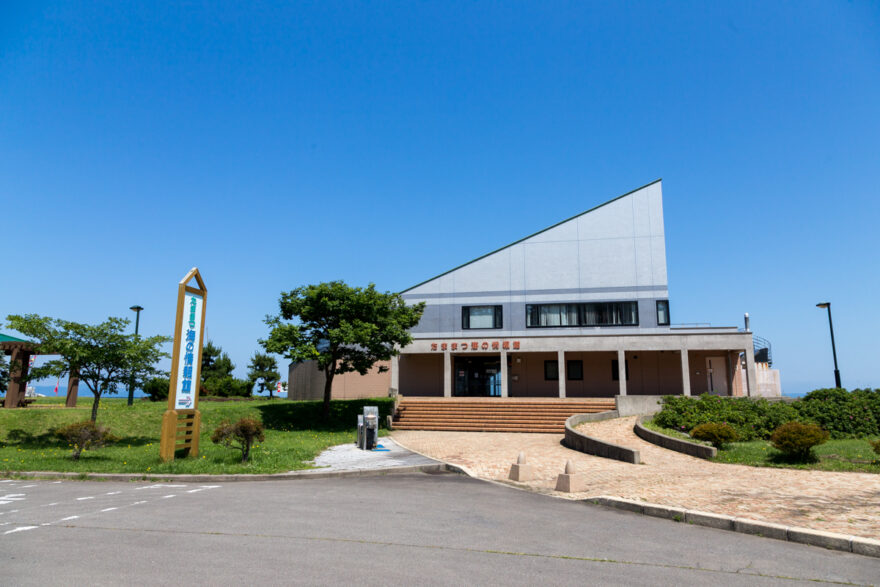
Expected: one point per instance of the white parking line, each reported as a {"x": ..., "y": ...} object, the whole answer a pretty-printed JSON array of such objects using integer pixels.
[
  {"x": 138, "y": 502},
  {"x": 26, "y": 486},
  {"x": 69, "y": 518},
  {"x": 167, "y": 496},
  {"x": 45, "y": 505},
  {"x": 109, "y": 509},
  {"x": 19, "y": 529},
  {"x": 113, "y": 493},
  {"x": 82, "y": 498}
]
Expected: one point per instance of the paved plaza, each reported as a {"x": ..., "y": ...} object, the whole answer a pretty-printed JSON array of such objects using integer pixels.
[
  {"x": 388, "y": 455},
  {"x": 846, "y": 503}
]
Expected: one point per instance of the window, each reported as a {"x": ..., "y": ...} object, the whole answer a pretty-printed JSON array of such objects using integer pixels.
[
  {"x": 551, "y": 370},
  {"x": 589, "y": 314},
  {"x": 575, "y": 370},
  {"x": 480, "y": 317},
  {"x": 615, "y": 370},
  {"x": 663, "y": 312}
]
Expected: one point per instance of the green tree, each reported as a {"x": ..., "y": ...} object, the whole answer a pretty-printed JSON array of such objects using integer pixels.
[
  {"x": 342, "y": 328},
  {"x": 4, "y": 373},
  {"x": 263, "y": 371},
  {"x": 105, "y": 354},
  {"x": 216, "y": 374}
]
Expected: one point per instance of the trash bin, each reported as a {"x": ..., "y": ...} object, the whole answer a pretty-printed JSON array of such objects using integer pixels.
[{"x": 368, "y": 428}]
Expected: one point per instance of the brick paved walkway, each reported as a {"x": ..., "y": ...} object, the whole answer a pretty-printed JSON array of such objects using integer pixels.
[{"x": 847, "y": 503}]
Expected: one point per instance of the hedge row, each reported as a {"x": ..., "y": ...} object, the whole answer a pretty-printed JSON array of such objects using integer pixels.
[{"x": 843, "y": 414}]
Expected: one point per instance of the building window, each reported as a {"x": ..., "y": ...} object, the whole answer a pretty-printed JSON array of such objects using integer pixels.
[
  {"x": 574, "y": 370},
  {"x": 589, "y": 314},
  {"x": 481, "y": 317},
  {"x": 551, "y": 370},
  {"x": 663, "y": 312},
  {"x": 615, "y": 370}
]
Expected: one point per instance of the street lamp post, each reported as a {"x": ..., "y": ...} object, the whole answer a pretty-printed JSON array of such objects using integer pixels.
[
  {"x": 137, "y": 323},
  {"x": 827, "y": 305}
]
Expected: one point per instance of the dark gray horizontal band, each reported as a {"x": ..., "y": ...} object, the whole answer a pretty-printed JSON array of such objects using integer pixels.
[{"x": 537, "y": 292}]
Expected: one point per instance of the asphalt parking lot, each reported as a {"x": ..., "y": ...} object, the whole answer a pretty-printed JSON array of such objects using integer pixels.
[{"x": 413, "y": 528}]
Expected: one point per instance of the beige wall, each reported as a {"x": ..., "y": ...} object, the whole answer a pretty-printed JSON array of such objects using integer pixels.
[
  {"x": 421, "y": 375},
  {"x": 306, "y": 382}
]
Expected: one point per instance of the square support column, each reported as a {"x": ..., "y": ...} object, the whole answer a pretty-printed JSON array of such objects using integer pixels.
[
  {"x": 621, "y": 370},
  {"x": 447, "y": 374},
  {"x": 560, "y": 357},
  {"x": 685, "y": 373},
  {"x": 751, "y": 373},
  {"x": 395, "y": 374},
  {"x": 504, "y": 374}
]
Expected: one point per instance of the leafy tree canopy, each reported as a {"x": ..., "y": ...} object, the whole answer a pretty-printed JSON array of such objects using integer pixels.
[
  {"x": 263, "y": 371},
  {"x": 342, "y": 328},
  {"x": 105, "y": 355}
]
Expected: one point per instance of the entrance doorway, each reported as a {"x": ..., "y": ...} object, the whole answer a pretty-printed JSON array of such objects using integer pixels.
[
  {"x": 716, "y": 371},
  {"x": 477, "y": 376}
]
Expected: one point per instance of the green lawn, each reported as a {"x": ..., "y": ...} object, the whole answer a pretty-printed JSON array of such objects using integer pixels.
[
  {"x": 294, "y": 436},
  {"x": 835, "y": 455}
]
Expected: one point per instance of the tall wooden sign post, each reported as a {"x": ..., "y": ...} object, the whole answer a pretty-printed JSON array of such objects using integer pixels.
[{"x": 181, "y": 422}]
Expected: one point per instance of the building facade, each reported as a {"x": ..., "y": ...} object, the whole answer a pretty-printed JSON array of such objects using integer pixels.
[
  {"x": 580, "y": 309},
  {"x": 557, "y": 313}
]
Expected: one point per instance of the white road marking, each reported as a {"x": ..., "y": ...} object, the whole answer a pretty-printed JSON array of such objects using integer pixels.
[
  {"x": 108, "y": 509},
  {"x": 157, "y": 486},
  {"x": 26, "y": 486},
  {"x": 82, "y": 498},
  {"x": 113, "y": 493},
  {"x": 7, "y": 481},
  {"x": 4, "y": 502},
  {"x": 46, "y": 524},
  {"x": 55, "y": 482},
  {"x": 13, "y": 496},
  {"x": 138, "y": 502},
  {"x": 45, "y": 505},
  {"x": 195, "y": 490},
  {"x": 19, "y": 529},
  {"x": 69, "y": 518},
  {"x": 167, "y": 496}
]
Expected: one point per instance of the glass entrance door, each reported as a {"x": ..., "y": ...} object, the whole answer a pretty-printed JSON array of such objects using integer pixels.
[{"x": 477, "y": 376}]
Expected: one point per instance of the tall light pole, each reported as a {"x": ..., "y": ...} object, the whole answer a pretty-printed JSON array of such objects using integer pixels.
[
  {"x": 827, "y": 305},
  {"x": 137, "y": 323}
]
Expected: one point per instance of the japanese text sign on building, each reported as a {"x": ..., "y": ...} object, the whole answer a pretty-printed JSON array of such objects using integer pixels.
[{"x": 476, "y": 345}]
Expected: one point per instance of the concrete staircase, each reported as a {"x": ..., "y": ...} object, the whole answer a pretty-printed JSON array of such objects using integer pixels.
[{"x": 494, "y": 414}]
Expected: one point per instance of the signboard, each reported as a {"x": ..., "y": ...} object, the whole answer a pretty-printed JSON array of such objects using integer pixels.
[
  {"x": 186, "y": 340},
  {"x": 181, "y": 422}
]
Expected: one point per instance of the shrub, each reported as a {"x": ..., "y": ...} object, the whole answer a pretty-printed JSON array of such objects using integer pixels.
[
  {"x": 844, "y": 414},
  {"x": 751, "y": 419},
  {"x": 240, "y": 435},
  {"x": 228, "y": 386},
  {"x": 875, "y": 444},
  {"x": 718, "y": 433},
  {"x": 796, "y": 440},
  {"x": 84, "y": 435},
  {"x": 157, "y": 388}
]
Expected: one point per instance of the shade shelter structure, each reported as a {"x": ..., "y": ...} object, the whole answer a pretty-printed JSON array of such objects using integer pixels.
[{"x": 20, "y": 352}]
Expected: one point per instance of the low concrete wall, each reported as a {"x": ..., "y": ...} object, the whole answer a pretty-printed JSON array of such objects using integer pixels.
[
  {"x": 689, "y": 448},
  {"x": 637, "y": 405},
  {"x": 593, "y": 446}
]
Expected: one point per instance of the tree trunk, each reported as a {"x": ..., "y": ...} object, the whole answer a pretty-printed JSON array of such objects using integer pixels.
[
  {"x": 95, "y": 407},
  {"x": 328, "y": 387}
]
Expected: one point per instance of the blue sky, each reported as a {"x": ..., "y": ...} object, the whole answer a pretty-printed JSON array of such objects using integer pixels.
[{"x": 275, "y": 145}]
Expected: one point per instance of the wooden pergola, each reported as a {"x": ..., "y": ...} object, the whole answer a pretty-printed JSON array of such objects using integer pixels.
[{"x": 21, "y": 351}]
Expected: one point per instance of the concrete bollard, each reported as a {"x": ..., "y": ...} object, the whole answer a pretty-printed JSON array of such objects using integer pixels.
[
  {"x": 520, "y": 471},
  {"x": 571, "y": 481}
]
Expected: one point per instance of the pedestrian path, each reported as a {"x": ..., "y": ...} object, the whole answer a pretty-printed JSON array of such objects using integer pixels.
[
  {"x": 846, "y": 503},
  {"x": 389, "y": 454}
]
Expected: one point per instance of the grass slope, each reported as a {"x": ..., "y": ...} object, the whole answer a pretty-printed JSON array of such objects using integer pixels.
[{"x": 294, "y": 436}]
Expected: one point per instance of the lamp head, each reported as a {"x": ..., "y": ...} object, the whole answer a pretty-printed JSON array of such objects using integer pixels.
[
  {"x": 823, "y": 304},
  {"x": 136, "y": 308}
]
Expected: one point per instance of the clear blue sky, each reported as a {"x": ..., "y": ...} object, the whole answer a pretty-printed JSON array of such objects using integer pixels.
[{"x": 275, "y": 145}]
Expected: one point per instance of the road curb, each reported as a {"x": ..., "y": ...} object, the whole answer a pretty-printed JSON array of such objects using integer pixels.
[
  {"x": 292, "y": 476},
  {"x": 829, "y": 540}
]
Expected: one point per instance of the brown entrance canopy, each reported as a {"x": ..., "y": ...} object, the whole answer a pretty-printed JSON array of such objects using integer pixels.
[{"x": 21, "y": 351}]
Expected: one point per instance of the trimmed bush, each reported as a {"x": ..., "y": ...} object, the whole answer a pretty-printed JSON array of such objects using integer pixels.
[
  {"x": 84, "y": 436},
  {"x": 240, "y": 436},
  {"x": 718, "y": 433},
  {"x": 844, "y": 414},
  {"x": 751, "y": 419},
  {"x": 157, "y": 388},
  {"x": 796, "y": 440}
]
